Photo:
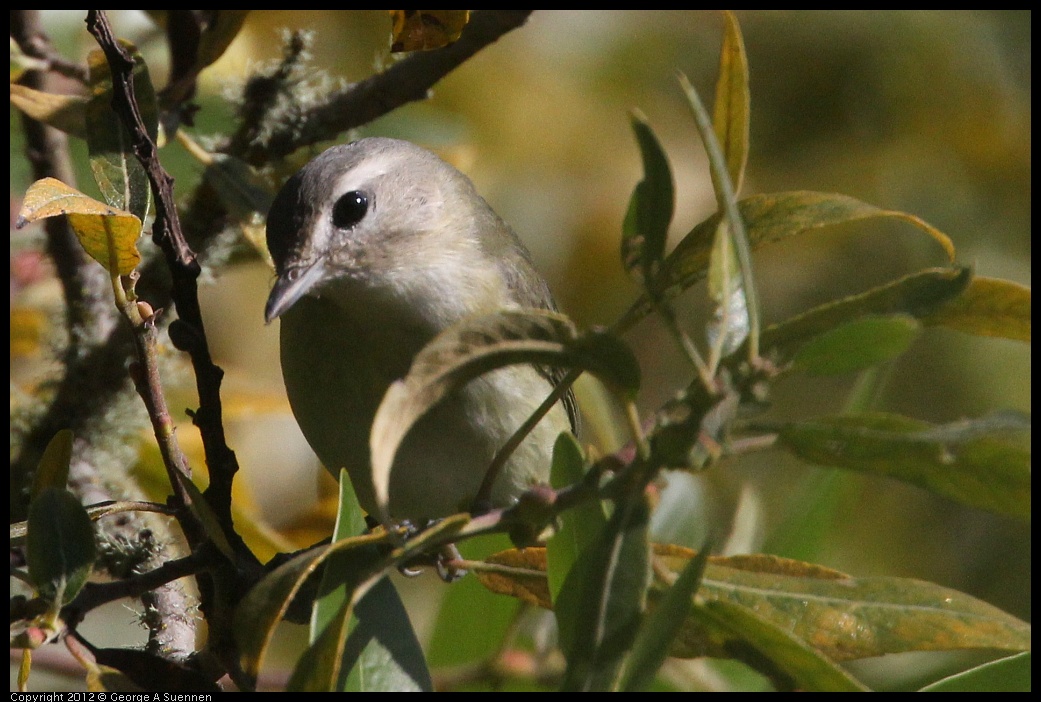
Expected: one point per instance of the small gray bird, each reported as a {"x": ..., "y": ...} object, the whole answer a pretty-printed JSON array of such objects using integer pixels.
[{"x": 379, "y": 245}]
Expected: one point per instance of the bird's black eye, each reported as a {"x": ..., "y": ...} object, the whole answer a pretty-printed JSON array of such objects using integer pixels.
[{"x": 350, "y": 209}]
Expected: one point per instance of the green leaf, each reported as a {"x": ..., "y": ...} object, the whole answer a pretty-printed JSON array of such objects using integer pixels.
[
  {"x": 988, "y": 307},
  {"x": 646, "y": 225},
  {"x": 1009, "y": 674},
  {"x": 373, "y": 639},
  {"x": 320, "y": 666},
  {"x": 848, "y": 618},
  {"x": 107, "y": 234},
  {"x": 118, "y": 173},
  {"x": 768, "y": 218},
  {"x": 60, "y": 546},
  {"x": 917, "y": 295},
  {"x": 658, "y": 630},
  {"x": 323, "y": 667},
  {"x": 858, "y": 344},
  {"x": 842, "y": 617},
  {"x": 578, "y": 527},
  {"x": 479, "y": 345},
  {"x": 603, "y": 598},
  {"x": 266, "y": 603},
  {"x": 389, "y": 657},
  {"x": 333, "y": 593},
  {"x": 974, "y": 461},
  {"x": 730, "y": 115},
  {"x": 472, "y": 621},
  {"x": 53, "y": 470}
]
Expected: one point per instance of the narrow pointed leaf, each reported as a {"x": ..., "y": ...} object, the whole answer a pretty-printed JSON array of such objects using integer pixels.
[
  {"x": 646, "y": 225},
  {"x": 661, "y": 627},
  {"x": 578, "y": 527},
  {"x": 200, "y": 507},
  {"x": 976, "y": 462},
  {"x": 373, "y": 640},
  {"x": 988, "y": 307},
  {"x": 730, "y": 115},
  {"x": 213, "y": 33},
  {"x": 318, "y": 669},
  {"x": 324, "y": 665},
  {"x": 731, "y": 226},
  {"x": 603, "y": 598},
  {"x": 60, "y": 546},
  {"x": 265, "y": 605},
  {"x": 333, "y": 593},
  {"x": 384, "y": 646},
  {"x": 107, "y": 234}
]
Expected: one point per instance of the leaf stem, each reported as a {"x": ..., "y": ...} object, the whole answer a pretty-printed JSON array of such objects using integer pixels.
[{"x": 727, "y": 203}]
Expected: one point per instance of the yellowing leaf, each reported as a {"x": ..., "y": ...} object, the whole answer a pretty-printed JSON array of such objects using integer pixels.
[
  {"x": 420, "y": 30},
  {"x": 988, "y": 307},
  {"x": 107, "y": 234},
  {"x": 842, "y": 617},
  {"x": 730, "y": 112},
  {"x": 53, "y": 470},
  {"x": 63, "y": 112}
]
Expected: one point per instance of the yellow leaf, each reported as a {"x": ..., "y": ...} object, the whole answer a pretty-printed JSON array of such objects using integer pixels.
[
  {"x": 988, "y": 307},
  {"x": 416, "y": 30},
  {"x": 730, "y": 114},
  {"x": 63, "y": 112},
  {"x": 107, "y": 234}
]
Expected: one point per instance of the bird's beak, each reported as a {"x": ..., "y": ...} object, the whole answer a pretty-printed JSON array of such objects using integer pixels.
[{"x": 291, "y": 286}]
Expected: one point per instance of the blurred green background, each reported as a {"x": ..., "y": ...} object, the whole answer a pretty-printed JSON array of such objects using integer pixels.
[{"x": 926, "y": 112}]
